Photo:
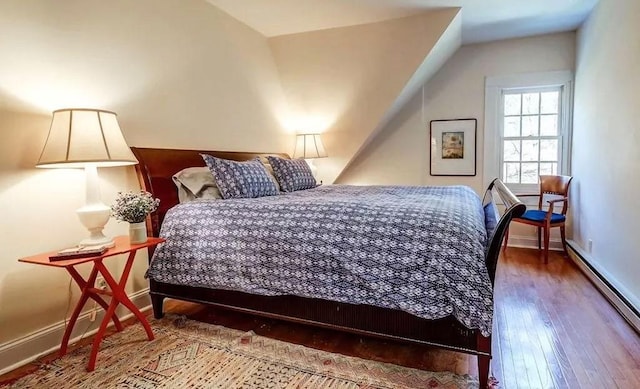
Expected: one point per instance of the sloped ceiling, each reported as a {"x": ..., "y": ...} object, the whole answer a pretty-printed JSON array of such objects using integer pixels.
[
  {"x": 347, "y": 82},
  {"x": 482, "y": 20}
]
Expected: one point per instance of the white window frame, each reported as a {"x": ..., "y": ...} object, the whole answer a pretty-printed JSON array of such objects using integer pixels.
[
  {"x": 493, "y": 126},
  {"x": 521, "y": 91}
]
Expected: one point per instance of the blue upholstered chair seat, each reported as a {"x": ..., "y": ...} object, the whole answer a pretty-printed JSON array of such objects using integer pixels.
[{"x": 538, "y": 216}]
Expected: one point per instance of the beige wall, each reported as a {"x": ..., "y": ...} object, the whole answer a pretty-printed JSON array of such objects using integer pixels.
[
  {"x": 342, "y": 81},
  {"x": 606, "y": 139},
  {"x": 179, "y": 73},
  {"x": 400, "y": 153}
]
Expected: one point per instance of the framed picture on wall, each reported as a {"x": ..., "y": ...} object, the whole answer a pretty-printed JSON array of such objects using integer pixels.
[{"x": 453, "y": 147}]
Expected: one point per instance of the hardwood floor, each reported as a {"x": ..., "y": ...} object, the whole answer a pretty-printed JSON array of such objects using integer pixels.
[{"x": 552, "y": 329}]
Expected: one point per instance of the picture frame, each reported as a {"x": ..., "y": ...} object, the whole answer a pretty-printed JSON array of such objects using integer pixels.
[{"x": 453, "y": 147}]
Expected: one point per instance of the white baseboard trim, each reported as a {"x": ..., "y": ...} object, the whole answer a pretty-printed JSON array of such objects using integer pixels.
[
  {"x": 616, "y": 294},
  {"x": 23, "y": 350},
  {"x": 530, "y": 242}
]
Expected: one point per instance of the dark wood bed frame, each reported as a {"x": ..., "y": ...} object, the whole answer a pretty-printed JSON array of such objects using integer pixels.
[{"x": 155, "y": 170}]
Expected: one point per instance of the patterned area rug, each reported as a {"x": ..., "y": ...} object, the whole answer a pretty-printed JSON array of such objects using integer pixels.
[{"x": 189, "y": 354}]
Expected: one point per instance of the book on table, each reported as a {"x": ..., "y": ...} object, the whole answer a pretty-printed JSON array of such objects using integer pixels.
[{"x": 79, "y": 252}]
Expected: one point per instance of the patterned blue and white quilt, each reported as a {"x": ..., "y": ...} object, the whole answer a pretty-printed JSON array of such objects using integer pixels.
[{"x": 416, "y": 249}]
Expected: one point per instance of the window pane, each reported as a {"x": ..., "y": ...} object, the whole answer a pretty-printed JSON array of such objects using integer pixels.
[
  {"x": 549, "y": 150},
  {"x": 549, "y": 168},
  {"x": 512, "y": 150},
  {"x": 549, "y": 125},
  {"x": 549, "y": 102},
  {"x": 512, "y": 126},
  {"x": 530, "y": 126},
  {"x": 529, "y": 173},
  {"x": 531, "y": 129},
  {"x": 530, "y": 103},
  {"x": 512, "y": 104},
  {"x": 512, "y": 173},
  {"x": 546, "y": 168},
  {"x": 530, "y": 150}
]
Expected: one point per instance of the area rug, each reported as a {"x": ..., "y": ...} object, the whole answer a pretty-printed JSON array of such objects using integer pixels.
[{"x": 190, "y": 354}]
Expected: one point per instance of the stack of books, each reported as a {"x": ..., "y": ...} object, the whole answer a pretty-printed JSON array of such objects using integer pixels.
[{"x": 79, "y": 252}]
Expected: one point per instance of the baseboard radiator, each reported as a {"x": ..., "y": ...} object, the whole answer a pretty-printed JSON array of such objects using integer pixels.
[{"x": 617, "y": 299}]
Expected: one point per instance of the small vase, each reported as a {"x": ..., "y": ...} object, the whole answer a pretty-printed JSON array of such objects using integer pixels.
[{"x": 137, "y": 233}]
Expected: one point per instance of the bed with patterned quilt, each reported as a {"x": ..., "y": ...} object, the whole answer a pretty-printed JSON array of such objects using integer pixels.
[{"x": 408, "y": 263}]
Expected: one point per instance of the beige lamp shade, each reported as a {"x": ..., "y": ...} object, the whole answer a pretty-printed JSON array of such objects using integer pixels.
[
  {"x": 309, "y": 146},
  {"x": 81, "y": 137}
]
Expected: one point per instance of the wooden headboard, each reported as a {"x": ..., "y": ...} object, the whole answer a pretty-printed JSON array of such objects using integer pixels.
[{"x": 157, "y": 166}]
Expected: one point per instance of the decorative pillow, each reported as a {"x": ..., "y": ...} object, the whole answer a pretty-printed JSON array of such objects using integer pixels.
[
  {"x": 245, "y": 179},
  {"x": 292, "y": 174},
  {"x": 196, "y": 183}
]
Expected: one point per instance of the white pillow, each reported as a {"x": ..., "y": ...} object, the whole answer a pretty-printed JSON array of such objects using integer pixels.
[
  {"x": 269, "y": 168},
  {"x": 196, "y": 183}
]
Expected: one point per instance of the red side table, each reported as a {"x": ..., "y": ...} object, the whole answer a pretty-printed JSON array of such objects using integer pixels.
[{"x": 116, "y": 289}]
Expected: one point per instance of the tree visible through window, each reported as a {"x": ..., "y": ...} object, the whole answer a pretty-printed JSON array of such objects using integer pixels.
[{"x": 531, "y": 134}]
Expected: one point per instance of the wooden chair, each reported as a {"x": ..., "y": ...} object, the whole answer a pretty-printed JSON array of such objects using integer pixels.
[{"x": 558, "y": 188}]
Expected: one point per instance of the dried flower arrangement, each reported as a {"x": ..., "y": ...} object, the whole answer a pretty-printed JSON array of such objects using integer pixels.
[{"x": 134, "y": 207}]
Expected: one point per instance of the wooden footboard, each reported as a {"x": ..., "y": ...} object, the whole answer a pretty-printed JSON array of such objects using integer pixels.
[
  {"x": 154, "y": 172},
  {"x": 447, "y": 333}
]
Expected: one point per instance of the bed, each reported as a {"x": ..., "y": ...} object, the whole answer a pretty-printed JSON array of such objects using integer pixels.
[{"x": 371, "y": 315}]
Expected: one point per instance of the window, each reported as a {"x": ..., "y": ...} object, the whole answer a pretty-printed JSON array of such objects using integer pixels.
[
  {"x": 531, "y": 141},
  {"x": 527, "y": 128}
]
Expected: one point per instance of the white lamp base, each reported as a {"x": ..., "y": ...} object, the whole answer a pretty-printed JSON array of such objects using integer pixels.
[
  {"x": 312, "y": 166},
  {"x": 95, "y": 214},
  {"x": 94, "y": 217},
  {"x": 104, "y": 241}
]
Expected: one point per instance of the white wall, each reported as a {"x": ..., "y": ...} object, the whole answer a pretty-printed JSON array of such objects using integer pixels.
[
  {"x": 606, "y": 140},
  {"x": 178, "y": 73},
  {"x": 400, "y": 154}
]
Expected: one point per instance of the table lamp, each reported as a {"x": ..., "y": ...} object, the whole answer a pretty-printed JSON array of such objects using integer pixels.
[
  {"x": 87, "y": 138},
  {"x": 309, "y": 147}
]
